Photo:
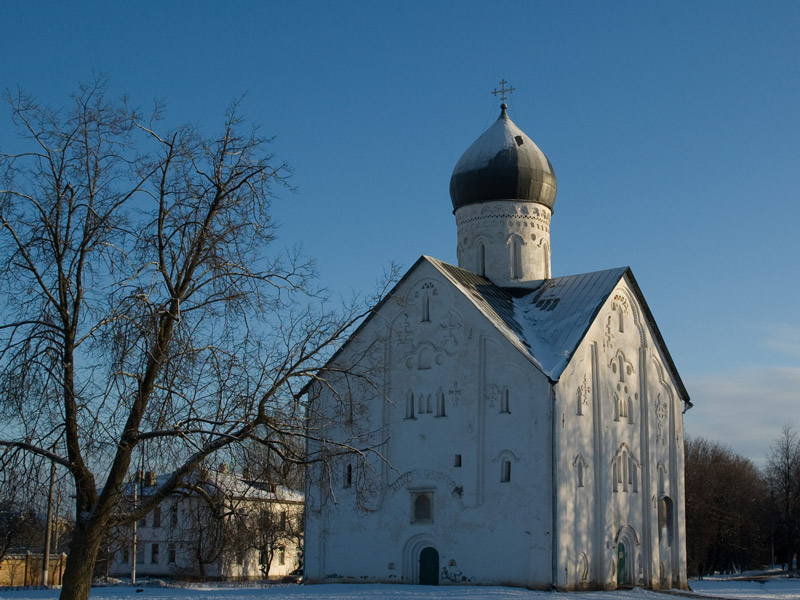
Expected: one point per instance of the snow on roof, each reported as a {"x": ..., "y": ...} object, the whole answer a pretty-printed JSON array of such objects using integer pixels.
[
  {"x": 546, "y": 321},
  {"x": 228, "y": 483}
]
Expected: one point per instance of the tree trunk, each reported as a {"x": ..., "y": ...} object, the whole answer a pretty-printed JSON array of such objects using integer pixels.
[{"x": 80, "y": 562}]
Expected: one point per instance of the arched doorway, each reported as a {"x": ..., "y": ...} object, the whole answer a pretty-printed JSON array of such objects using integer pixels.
[
  {"x": 429, "y": 566},
  {"x": 627, "y": 543},
  {"x": 622, "y": 570}
]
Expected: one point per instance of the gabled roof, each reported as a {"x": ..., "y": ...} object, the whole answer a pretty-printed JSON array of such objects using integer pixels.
[{"x": 548, "y": 320}]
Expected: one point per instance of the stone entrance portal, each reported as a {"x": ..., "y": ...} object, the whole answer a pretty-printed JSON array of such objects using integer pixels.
[{"x": 429, "y": 566}]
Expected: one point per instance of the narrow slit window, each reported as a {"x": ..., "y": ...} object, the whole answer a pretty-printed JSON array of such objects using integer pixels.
[
  {"x": 505, "y": 471},
  {"x": 505, "y": 404},
  {"x": 348, "y": 476},
  {"x": 516, "y": 259},
  {"x": 440, "y": 404}
]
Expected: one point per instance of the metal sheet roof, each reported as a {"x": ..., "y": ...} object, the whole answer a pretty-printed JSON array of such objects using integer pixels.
[{"x": 548, "y": 320}]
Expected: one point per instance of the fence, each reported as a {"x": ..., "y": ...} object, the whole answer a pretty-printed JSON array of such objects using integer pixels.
[{"x": 26, "y": 569}]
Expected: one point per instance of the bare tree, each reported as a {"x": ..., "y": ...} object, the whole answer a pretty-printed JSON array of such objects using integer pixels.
[
  {"x": 783, "y": 479},
  {"x": 725, "y": 509},
  {"x": 142, "y": 303},
  {"x": 21, "y": 527}
]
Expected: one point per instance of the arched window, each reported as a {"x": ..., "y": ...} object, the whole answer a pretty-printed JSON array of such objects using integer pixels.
[
  {"x": 621, "y": 368},
  {"x": 423, "y": 507},
  {"x": 579, "y": 398},
  {"x": 429, "y": 404},
  {"x": 616, "y": 407},
  {"x": 516, "y": 258},
  {"x": 580, "y": 474},
  {"x": 410, "y": 406},
  {"x": 629, "y": 409},
  {"x": 625, "y": 471},
  {"x": 505, "y": 401},
  {"x": 440, "y": 404},
  {"x": 621, "y": 316},
  {"x": 348, "y": 476},
  {"x": 505, "y": 471},
  {"x": 665, "y": 528},
  {"x": 481, "y": 259}
]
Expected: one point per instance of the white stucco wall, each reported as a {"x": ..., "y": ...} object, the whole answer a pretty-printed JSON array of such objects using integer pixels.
[
  {"x": 485, "y": 530},
  {"x": 616, "y": 399},
  {"x": 615, "y": 403},
  {"x": 489, "y": 232}
]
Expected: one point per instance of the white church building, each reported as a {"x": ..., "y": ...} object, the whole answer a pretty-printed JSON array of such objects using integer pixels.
[{"x": 512, "y": 428}]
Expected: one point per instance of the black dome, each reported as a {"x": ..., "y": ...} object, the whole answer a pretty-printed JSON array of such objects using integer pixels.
[{"x": 503, "y": 164}]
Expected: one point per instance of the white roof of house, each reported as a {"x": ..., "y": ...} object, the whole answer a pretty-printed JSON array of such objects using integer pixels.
[{"x": 229, "y": 483}]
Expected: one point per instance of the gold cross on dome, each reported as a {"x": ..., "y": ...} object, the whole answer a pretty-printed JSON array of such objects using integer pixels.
[{"x": 503, "y": 90}]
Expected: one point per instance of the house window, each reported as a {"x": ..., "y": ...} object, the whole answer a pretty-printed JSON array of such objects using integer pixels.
[
  {"x": 481, "y": 260},
  {"x": 171, "y": 554},
  {"x": 665, "y": 519},
  {"x": 622, "y": 408},
  {"x": 422, "y": 507},
  {"x": 157, "y": 516},
  {"x": 126, "y": 556},
  {"x": 348, "y": 476},
  {"x": 281, "y": 555},
  {"x": 154, "y": 554},
  {"x": 283, "y": 520},
  {"x": 580, "y": 474},
  {"x": 624, "y": 473},
  {"x": 440, "y": 404},
  {"x": 410, "y": 406},
  {"x": 505, "y": 471},
  {"x": 516, "y": 258},
  {"x": 143, "y": 521},
  {"x": 173, "y": 515},
  {"x": 140, "y": 553},
  {"x": 426, "y": 309},
  {"x": 457, "y": 461},
  {"x": 505, "y": 405}
]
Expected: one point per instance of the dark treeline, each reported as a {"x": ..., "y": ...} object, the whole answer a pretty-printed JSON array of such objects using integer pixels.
[{"x": 739, "y": 517}]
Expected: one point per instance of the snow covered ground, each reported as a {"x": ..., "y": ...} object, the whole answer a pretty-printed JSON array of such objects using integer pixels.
[{"x": 774, "y": 589}]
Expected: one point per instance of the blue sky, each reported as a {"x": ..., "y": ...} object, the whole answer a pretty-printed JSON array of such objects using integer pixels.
[{"x": 673, "y": 129}]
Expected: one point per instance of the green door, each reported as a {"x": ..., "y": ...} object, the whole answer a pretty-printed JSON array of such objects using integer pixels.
[
  {"x": 429, "y": 567},
  {"x": 622, "y": 574}
]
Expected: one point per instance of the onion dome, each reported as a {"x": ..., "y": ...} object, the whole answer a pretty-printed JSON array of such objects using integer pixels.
[{"x": 503, "y": 164}]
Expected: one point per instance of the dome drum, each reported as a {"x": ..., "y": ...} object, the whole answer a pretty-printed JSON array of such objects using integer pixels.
[{"x": 503, "y": 190}]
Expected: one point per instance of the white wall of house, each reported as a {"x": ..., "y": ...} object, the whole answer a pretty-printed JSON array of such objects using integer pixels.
[
  {"x": 620, "y": 457},
  {"x": 475, "y": 407},
  {"x": 166, "y": 545},
  {"x": 547, "y": 518}
]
